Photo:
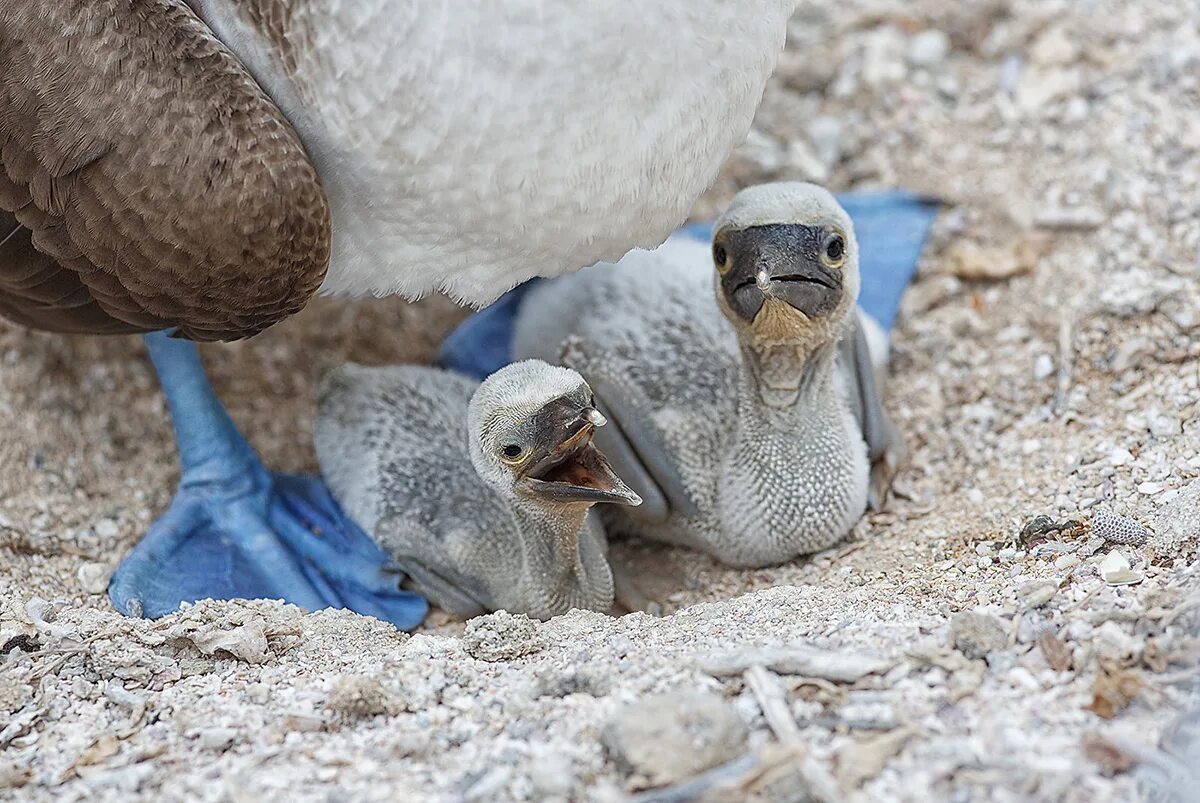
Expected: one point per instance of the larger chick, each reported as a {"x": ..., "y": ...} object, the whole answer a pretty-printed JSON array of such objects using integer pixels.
[
  {"x": 751, "y": 427},
  {"x": 479, "y": 492}
]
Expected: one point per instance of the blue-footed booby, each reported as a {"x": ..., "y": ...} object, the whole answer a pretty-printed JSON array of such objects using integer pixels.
[{"x": 202, "y": 168}]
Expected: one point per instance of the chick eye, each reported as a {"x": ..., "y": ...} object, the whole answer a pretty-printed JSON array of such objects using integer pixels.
[
  {"x": 833, "y": 252},
  {"x": 512, "y": 452},
  {"x": 720, "y": 258}
]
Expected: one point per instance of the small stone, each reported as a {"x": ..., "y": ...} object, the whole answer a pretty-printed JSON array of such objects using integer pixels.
[
  {"x": 219, "y": 739},
  {"x": 1150, "y": 488},
  {"x": 106, "y": 528},
  {"x": 1054, "y": 47},
  {"x": 359, "y": 697},
  {"x": 673, "y": 736},
  {"x": 1064, "y": 562},
  {"x": 1038, "y": 86},
  {"x": 1111, "y": 642},
  {"x": 883, "y": 57},
  {"x": 1116, "y": 571},
  {"x": 1036, "y": 593},
  {"x": 93, "y": 577},
  {"x": 1164, "y": 426},
  {"x": 1120, "y": 457},
  {"x": 976, "y": 634},
  {"x": 501, "y": 636},
  {"x": 1043, "y": 367},
  {"x": 928, "y": 48}
]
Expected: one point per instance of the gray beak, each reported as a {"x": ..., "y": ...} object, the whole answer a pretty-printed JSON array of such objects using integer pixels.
[
  {"x": 565, "y": 465},
  {"x": 781, "y": 261}
]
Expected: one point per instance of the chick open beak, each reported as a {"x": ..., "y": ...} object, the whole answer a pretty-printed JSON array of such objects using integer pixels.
[{"x": 565, "y": 465}]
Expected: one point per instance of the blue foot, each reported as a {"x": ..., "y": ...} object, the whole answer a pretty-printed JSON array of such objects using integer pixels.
[{"x": 236, "y": 531}]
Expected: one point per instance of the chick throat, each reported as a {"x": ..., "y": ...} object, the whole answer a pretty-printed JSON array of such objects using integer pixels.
[{"x": 787, "y": 354}]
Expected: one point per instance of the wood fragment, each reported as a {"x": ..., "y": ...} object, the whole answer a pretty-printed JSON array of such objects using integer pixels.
[
  {"x": 772, "y": 701},
  {"x": 1058, "y": 654}
]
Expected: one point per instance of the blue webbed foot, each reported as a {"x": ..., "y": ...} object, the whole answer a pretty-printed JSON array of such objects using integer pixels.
[{"x": 235, "y": 531}]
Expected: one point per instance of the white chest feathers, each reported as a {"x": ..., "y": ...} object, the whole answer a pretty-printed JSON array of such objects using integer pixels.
[{"x": 467, "y": 145}]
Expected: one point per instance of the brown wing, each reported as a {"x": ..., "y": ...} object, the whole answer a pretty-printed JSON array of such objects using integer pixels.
[{"x": 151, "y": 182}]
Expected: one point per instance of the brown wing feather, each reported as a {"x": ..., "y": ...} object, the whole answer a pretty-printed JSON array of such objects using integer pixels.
[{"x": 151, "y": 181}]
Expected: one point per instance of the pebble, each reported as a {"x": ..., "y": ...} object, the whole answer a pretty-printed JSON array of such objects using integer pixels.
[
  {"x": 672, "y": 736},
  {"x": 1120, "y": 457},
  {"x": 1116, "y": 571},
  {"x": 1064, "y": 562},
  {"x": 928, "y": 48},
  {"x": 1110, "y": 641},
  {"x": 976, "y": 634},
  {"x": 359, "y": 697},
  {"x": 106, "y": 528},
  {"x": 1164, "y": 426},
  {"x": 93, "y": 577},
  {"x": 1036, "y": 593},
  {"x": 1022, "y": 678},
  {"x": 1150, "y": 488},
  {"x": 501, "y": 636},
  {"x": 1043, "y": 366},
  {"x": 216, "y": 738}
]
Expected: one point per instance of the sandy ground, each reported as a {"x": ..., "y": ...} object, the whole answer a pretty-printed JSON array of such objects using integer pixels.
[{"x": 1046, "y": 363}]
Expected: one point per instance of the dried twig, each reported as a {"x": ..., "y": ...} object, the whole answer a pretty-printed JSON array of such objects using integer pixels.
[{"x": 772, "y": 701}]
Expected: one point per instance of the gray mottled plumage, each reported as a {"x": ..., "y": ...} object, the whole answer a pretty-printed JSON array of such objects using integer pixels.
[
  {"x": 414, "y": 455},
  {"x": 749, "y": 427}
]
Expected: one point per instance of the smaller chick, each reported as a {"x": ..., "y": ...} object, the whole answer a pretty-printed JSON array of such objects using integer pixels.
[{"x": 479, "y": 493}]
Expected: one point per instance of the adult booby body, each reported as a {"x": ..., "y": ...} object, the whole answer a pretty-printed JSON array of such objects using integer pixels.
[
  {"x": 205, "y": 167},
  {"x": 751, "y": 426},
  {"x": 478, "y": 492}
]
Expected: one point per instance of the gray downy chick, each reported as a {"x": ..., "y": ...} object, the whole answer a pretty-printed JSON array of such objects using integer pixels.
[
  {"x": 751, "y": 427},
  {"x": 479, "y": 493}
]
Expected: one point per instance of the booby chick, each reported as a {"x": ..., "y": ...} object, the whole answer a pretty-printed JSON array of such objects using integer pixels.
[
  {"x": 479, "y": 493},
  {"x": 752, "y": 427}
]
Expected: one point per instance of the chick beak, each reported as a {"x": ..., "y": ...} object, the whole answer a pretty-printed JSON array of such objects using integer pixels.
[{"x": 565, "y": 465}]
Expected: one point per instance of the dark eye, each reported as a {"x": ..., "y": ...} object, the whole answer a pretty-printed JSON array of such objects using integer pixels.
[
  {"x": 720, "y": 255},
  {"x": 835, "y": 248},
  {"x": 720, "y": 258},
  {"x": 512, "y": 451}
]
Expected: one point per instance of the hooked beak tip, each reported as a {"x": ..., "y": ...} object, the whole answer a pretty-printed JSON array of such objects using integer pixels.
[
  {"x": 595, "y": 417},
  {"x": 763, "y": 280}
]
